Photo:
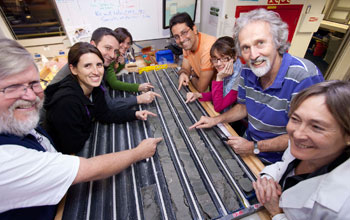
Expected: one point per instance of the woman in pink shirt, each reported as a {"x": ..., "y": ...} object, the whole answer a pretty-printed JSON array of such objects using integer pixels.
[{"x": 225, "y": 88}]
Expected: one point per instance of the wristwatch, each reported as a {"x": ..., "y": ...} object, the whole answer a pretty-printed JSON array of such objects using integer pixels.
[{"x": 256, "y": 149}]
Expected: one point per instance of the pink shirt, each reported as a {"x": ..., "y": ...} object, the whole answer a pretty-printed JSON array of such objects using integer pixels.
[{"x": 220, "y": 101}]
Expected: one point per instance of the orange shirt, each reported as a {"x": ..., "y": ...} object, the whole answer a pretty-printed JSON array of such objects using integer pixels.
[{"x": 200, "y": 59}]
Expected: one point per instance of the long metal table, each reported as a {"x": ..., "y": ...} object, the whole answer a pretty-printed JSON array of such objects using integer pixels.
[{"x": 193, "y": 175}]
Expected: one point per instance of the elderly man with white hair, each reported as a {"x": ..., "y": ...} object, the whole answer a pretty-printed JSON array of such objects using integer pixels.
[{"x": 271, "y": 78}]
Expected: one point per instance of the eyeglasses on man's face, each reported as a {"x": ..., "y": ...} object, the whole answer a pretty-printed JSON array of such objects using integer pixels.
[
  {"x": 19, "y": 90},
  {"x": 222, "y": 59},
  {"x": 182, "y": 34}
]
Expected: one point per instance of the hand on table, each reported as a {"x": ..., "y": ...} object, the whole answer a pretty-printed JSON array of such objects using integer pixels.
[
  {"x": 147, "y": 97},
  {"x": 145, "y": 87},
  {"x": 240, "y": 145},
  {"x": 204, "y": 122},
  {"x": 192, "y": 96},
  {"x": 147, "y": 147},
  {"x": 183, "y": 80},
  {"x": 142, "y": 115}
]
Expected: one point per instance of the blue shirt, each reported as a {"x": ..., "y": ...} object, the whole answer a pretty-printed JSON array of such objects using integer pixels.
[
  {"x": 268, "y": 109},
  {"x": 231, "y": 82}
]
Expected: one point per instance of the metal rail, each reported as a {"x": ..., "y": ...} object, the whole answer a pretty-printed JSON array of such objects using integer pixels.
[
  {"x": 237, "y": 157},
  {"x": 160, "y": 194},
  {"x": 213, "y": 150},
  {"x": 191, "y": 198},
  {"x": 92, "y": 182},
  {"x": 152, "y": 188},
  {"x": 114, "y": 190},
  {"x": 134, "y": 183},
  {"x": 201, "y": 167}
]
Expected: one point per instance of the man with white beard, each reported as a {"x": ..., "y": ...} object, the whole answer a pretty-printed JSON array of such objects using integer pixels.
[
  {"x": 33, "y": 176},
  {"x": 271, "y": 78}
]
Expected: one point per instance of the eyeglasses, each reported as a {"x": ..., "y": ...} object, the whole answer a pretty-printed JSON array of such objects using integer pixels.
[
  {"x": 17, "y": 91},
  {"x": 222, "y": 59},
  {"x": 182, "y": 34}
]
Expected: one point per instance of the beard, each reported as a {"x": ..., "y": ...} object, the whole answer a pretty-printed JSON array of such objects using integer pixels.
[
  {"x": 260, "y": 71},
  {"x": 10, "y": 125}
]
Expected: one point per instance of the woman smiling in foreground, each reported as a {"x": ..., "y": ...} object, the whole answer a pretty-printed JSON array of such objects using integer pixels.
[
  {"x": 312, "y": 181},
  {"x": 76, "y": 102}
]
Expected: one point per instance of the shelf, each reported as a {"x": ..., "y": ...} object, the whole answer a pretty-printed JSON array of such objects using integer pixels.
[
  {"x": 342, "y": 28},
  {"x": 44, "y": 24},
  {"x": 26, "y": 36}
]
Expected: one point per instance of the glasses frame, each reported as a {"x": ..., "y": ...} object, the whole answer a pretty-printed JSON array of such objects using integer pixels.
[
  {"x": 222, "y": 59},
  {"x": 20, "y": 90},
  {"x": 182, "y": 34}
]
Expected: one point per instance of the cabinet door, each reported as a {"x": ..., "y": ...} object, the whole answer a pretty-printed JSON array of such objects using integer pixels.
[{"x": 339, "y": 11}]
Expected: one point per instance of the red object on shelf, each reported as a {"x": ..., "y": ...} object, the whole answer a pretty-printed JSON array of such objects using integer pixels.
[{"x": 319, "y": 50}]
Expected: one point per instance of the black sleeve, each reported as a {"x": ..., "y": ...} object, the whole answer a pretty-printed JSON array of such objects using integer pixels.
[
  {"x": 107, "y": 115},
  {"x": 68, "y": 125},
  {"x": 122, "y": 103}
]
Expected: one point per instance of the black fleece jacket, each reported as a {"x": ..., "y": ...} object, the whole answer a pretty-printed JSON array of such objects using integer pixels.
[{"x": 70, "y": 114}]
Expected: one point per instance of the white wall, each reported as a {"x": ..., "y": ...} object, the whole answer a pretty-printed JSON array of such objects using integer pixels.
[{"x": 50, "y": 46}]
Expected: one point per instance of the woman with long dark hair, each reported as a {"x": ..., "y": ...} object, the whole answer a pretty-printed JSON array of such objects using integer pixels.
[{"x": 74, "y": 103}]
